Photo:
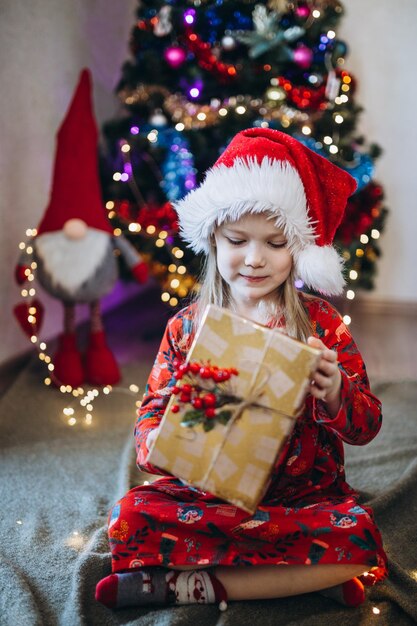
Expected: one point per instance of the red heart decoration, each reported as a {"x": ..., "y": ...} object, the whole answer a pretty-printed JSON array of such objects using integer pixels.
[{"x": 22, "y": 312}]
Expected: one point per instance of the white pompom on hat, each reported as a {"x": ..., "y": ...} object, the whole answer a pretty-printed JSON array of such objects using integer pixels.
[{"x": 265, "y": 170}]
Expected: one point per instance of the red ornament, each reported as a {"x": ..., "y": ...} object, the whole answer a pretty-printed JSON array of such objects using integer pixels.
[
  {"x": 304, "y": 97},
  {"x": 197, "y": 403},
  {"x": 206, "y": 59},
  {"x": 210, "y": 413},
  {"x": 175, "y": 408}
]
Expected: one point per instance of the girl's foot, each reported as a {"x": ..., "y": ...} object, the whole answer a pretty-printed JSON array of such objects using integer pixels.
[
  {"x": 156, "y": 586},
  {"x": 350, "y": 593}
]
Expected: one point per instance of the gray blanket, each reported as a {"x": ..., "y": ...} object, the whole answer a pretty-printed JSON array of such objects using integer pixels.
[{"x": 58, "y": 482}]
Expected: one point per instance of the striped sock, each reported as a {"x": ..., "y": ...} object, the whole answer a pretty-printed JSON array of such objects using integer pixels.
[{"x": 160, "y": 587}]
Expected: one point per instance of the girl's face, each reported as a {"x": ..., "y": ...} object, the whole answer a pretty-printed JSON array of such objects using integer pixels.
[{"x": 252, "y": 258}]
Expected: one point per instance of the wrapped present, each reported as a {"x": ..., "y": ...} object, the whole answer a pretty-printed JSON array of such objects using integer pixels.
[{"x": 224, "y": 428}]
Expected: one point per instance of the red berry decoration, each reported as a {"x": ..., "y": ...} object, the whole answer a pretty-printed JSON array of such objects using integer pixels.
[
  {"x": 178, "y": 375},
  {"x": 209, "y": 399},
  {"x": 195, "y": 368},
  {"x": 185, "y": 397},
  {"x": 205, "y": 372},
  {"x": 175, "y": 390},
  {"x": 197, "y": 403},
  {"x": 210, "y": 413},
  {"x": 175, "y": 408},
  {"x": 184, "y": 367}
]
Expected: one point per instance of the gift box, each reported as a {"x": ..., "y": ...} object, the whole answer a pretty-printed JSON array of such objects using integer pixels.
[{"x": 234, "y": 457}]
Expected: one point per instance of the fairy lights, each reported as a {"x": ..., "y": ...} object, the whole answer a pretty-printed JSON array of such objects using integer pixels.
[{"x": 87, "y": 397}]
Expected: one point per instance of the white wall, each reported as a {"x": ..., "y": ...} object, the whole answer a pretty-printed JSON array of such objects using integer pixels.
[
  {"x": 382, "y": 56},
  {"x": 43, "y": 46}
]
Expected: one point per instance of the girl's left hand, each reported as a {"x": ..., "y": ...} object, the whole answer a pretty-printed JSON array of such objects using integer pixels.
[{"x": 327, "y": 379}]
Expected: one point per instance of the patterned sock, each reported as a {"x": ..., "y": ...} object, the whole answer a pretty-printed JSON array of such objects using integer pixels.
[
  {"x": 160, "y": 587},
  {"x": 197, "y": 587},
  {"x": 350, "y": 593}
]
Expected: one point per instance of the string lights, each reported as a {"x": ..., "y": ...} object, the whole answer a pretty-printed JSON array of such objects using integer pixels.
[{"x": 83, "y": 414}]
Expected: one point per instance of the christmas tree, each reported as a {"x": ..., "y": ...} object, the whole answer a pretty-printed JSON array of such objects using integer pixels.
[{"x": 202, "y": 71}]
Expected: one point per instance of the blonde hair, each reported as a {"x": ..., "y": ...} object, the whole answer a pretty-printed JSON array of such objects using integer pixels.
[{"x": 214, "y": 290}]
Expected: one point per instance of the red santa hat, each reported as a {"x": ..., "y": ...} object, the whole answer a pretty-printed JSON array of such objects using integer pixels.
[
  {"x": 264, "y": 170},
  {"x": 75, "y": 189}
]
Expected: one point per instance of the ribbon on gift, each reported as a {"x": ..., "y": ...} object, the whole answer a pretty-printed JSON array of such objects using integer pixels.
[{"x": 251, "y": 400}]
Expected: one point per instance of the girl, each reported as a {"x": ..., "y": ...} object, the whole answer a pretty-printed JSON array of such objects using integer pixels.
[{"x": 265, "y": 216}]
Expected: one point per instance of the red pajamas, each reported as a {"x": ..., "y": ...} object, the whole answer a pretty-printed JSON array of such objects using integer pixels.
[{"x": 309, "y": 515}]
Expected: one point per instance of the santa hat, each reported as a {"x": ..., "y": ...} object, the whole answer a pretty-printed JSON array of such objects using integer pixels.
[
  {"x": 264, "y": 170},
  {"x": 75, "y": 189}
]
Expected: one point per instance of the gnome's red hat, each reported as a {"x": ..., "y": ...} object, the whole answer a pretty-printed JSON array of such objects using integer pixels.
[
  {"x": 264, "y": 170},
  {"x": 75, "y": 189}
]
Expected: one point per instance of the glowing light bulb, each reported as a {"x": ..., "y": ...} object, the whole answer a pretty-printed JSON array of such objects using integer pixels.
[{"x": 347, "y": 319}]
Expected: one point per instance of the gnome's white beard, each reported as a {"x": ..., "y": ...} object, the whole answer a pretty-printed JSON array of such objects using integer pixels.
[{"x": 71, "y": 262}]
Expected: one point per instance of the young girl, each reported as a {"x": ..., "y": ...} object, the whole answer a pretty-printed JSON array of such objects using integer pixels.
[{"x": 265, "y": 216}]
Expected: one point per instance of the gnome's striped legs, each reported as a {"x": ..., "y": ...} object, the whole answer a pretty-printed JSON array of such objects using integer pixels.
[
  {"x": 96, "y": 321},
  {"x": 69, "y": 318}
]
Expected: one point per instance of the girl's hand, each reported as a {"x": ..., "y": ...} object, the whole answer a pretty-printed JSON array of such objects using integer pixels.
[{"x": 327, "y": 379}]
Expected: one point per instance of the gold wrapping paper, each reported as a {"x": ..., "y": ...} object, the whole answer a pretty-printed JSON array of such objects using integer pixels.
[{"x": 235, "y": 461}]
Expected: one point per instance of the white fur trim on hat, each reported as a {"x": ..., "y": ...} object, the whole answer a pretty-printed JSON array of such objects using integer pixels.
[
  {"x": 320, "y": 268},
  {"x": 228, "y": 193}
]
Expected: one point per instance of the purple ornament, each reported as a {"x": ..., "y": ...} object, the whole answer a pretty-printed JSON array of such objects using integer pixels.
[
  {"x": 175, "y": 56},
  {"x": 302, "y": 11},
  {"x": 303, "y": 56}
]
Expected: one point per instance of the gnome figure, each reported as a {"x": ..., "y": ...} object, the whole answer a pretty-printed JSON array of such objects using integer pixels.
[{"x": 75, "y": 250}]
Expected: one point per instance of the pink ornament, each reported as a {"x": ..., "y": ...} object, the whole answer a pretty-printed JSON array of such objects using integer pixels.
[
  {"x": 303, "y": 56},
  {"x": 175, "y": 56},
  {"x": 302, "y": 11}
]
